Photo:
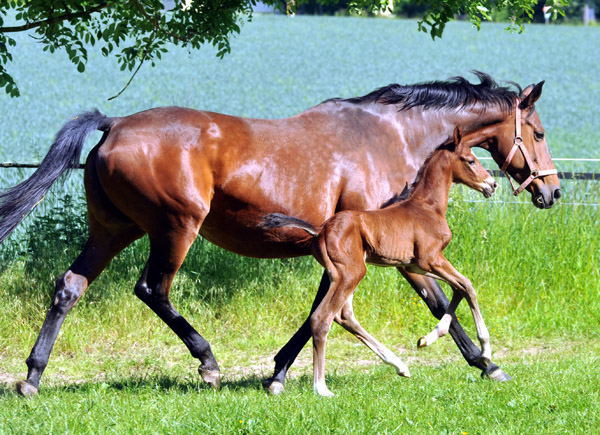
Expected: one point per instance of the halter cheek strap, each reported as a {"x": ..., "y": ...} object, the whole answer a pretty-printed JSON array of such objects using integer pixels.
[{"x": 534, "y": 172}]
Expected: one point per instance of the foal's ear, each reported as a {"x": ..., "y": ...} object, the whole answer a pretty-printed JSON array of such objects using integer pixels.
[
  {"x": 458, "y": 144},
  {"x": 457, "y": 135},
  {"x": 530, "y": 95}
]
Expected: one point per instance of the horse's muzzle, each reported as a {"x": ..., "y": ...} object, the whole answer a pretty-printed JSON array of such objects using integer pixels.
[{"x": 546, "y": 197}]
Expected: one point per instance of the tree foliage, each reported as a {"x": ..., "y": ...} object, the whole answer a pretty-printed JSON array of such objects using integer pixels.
[{"x": 139, "y": 31}]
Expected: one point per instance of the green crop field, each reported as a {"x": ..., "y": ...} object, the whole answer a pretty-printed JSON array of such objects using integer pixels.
[{"x": 117, "y": 368}]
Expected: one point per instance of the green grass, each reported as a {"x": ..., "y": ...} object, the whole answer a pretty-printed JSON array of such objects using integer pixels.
[
  {"x": 550, "y": 394},
  {"x": 117, "y": 368}
]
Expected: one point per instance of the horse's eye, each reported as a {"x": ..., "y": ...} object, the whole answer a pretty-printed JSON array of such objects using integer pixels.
[
  {"x": 539, "y": 136},
  {"x": 472, "y": 162}
]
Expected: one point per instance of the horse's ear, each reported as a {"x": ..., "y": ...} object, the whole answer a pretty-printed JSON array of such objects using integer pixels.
[{"x": 530, "y": 95}]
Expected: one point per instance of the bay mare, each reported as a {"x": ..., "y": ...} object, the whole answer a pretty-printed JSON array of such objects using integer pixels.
[
  {"x": 412, "y": 232},
  {"x": 173, "y": 173}
]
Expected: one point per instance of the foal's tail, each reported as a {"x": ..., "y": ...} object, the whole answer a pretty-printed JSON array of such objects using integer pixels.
[
  {"x": 277, "y": 220},
  {"x": 64, "y": 154}
]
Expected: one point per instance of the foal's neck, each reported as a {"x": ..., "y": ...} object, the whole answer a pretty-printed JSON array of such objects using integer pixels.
[{"x": 432, "y": 189}]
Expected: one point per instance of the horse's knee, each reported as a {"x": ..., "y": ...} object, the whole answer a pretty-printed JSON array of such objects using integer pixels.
[{"x": 69, "y": 288}]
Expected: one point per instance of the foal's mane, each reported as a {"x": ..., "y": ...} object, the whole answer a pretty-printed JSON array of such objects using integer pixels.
[
  {"x": 408, "y": 190},
  {"x": 454, "y": 93}
]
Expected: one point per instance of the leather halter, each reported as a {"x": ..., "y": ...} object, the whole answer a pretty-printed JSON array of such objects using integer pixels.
[{"x": 518, "y": 144}]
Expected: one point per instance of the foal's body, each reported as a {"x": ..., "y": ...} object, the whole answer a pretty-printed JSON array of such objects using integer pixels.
[{"x": 411, "y": 234}]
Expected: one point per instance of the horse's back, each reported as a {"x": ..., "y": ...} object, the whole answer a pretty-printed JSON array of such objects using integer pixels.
[{"x": 167, "y": 166}]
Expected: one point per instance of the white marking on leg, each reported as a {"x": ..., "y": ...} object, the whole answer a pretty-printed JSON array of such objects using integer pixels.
[
  {"x": 440, "y": 330},
  {"x": 321, "y": 389}
]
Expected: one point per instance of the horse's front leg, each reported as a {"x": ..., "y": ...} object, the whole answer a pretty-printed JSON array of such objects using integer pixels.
[{"x": 435, "y": 299}]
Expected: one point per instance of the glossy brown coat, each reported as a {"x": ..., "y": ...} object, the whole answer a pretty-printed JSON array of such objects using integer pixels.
[
  {"x": 173, "y": 173},
  {"x": 411, "y": 233}
]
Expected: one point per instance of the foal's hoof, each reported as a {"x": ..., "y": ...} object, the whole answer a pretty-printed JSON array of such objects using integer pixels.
[
  {"x": 275, "y": 388},
  {"x": 211, "y": 377},
  {"x": 404, "y": 374},
  {"x": 25, "y": 389},
  {"x": 496, "y": 374},
  {"x": 422, "y": 342}
]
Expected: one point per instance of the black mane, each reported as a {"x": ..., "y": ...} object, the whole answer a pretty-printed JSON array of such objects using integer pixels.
[{"x": 454, "y": 93}]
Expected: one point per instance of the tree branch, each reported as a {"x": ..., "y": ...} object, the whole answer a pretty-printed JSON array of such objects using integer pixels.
[
  {"x": 155, "y": 23},
  {"x": 145, "y": 55},
  {"x": 53, "y": 20}
]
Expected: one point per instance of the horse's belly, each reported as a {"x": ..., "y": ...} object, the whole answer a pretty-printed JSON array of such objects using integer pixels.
[{"x": 239, "y": 231}]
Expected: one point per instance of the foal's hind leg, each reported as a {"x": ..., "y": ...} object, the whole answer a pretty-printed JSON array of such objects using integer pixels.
[
  {"x": 167, "y": 252},
  {"x": 288, "y": 353},
  {"x": 349, "y": 322},
  {"x": 102, "y": 245},
  {"x": 342, "y": 286}
]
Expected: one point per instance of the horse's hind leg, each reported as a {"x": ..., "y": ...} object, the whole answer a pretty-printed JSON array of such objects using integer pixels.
[
  {"x": 349, "y": 322},
  {"x": 102, "y": 245},
  {"x": 167, "y": 252}
]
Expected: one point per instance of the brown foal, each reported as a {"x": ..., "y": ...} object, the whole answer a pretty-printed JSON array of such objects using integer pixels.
[{"x": 411, "y": 233}]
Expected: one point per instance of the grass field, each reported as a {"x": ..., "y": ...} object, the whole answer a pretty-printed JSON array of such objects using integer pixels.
[{"x": 117, "y": 368}]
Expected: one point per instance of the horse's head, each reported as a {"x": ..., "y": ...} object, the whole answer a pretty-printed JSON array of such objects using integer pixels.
[
  {"x": 466, "y": 169},
  {"x": 521, "y": 151}
]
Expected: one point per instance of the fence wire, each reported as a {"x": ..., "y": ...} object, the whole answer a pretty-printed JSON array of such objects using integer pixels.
[{"x": 563, "y": 175}]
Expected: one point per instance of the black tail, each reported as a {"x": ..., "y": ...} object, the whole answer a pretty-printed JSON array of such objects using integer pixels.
[
  {"x": 64, "y": 154},
  {"x": 278, "y": 220}
]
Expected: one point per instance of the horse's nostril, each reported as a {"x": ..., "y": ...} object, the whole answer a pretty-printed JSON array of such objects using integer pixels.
[
  {"x": 557, "y": 194},
  {"x": 495, "y": 185}
]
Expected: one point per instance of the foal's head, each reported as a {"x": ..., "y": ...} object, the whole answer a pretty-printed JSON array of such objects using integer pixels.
[{"x": 466, "y": 169}]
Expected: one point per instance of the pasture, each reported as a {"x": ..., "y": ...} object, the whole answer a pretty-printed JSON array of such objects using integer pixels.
[{"x": 117, "y": 368}]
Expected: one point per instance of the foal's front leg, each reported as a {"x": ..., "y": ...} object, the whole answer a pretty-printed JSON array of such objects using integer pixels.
[
  {"x": 462, "y": 287},
  {"x": 443, "y": 325},
  {"x": 435, "y": 299}
]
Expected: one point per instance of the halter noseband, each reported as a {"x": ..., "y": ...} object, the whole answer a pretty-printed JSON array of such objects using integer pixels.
[{"x": 518, "y": 144}]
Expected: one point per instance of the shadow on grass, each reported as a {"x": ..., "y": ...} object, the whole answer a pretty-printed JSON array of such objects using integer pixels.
[{"x": 136, "y": 384}]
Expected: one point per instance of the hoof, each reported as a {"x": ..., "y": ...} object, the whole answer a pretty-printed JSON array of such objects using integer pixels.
[
  {"x": 422, "y": 342},
  {"x": 211, "y": 377},
  {"x": 25, "y": 389},
  {"x": 405, "y": 374},
  {"x": 496, "y": 374},
  {"x": 275, "y": 388},
  {"x": 324, "y": 392}
]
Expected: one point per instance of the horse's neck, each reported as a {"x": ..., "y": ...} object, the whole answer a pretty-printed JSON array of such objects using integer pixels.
[
  {"x": 423, "y": 130},
  {"x": 432, "y": 190}
]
